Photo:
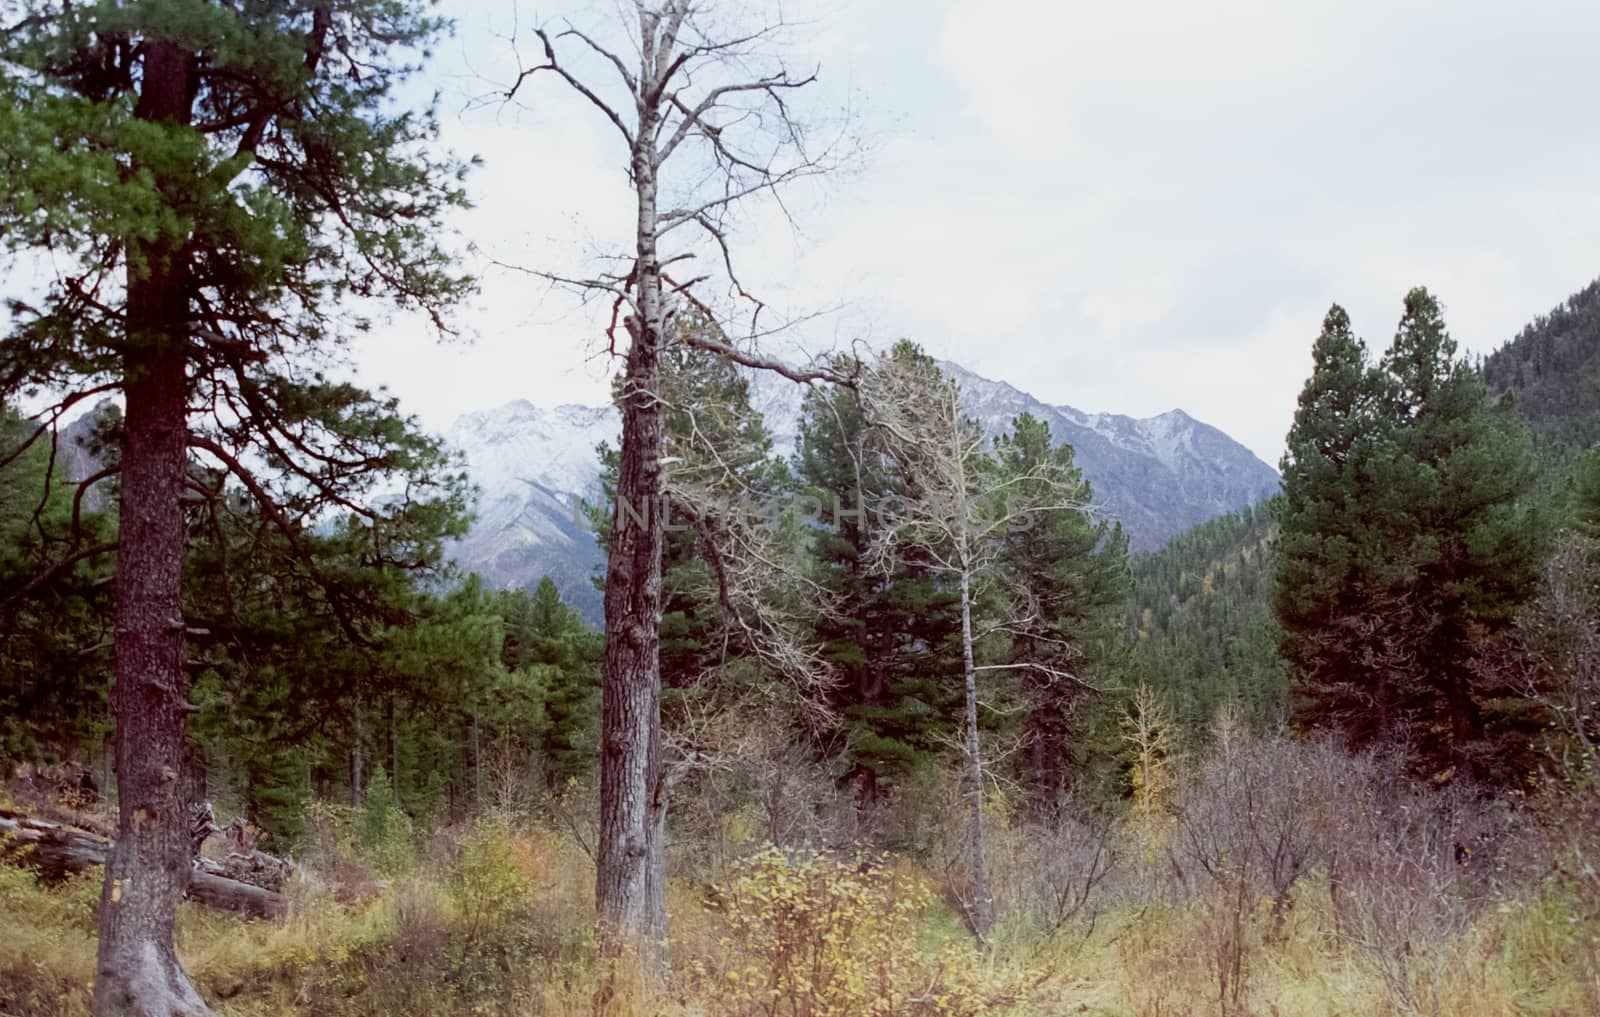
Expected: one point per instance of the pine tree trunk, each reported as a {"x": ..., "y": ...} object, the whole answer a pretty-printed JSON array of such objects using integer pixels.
[
  {"x": 358, "y": 777},
  {"x": 982, "y": 905},
  {"x": 394, "y": 751},
  {"x": 1462, "y": 726},
  {"x": 629, "y": 866},
  {"x": 137, "y": 971}
]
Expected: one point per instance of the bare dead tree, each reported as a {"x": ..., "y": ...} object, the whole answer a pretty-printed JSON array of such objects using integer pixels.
[
  {"x": 702, "y": 101},
  {"x": 760, "y": 588},
  {"x": 960, "y": 508}
]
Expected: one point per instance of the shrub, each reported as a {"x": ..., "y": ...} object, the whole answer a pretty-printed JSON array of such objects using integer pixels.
[
  {"x": 382, "y": 833},
  {"x": 811, "y": 936},
  {"x": 492, "y": 880}
]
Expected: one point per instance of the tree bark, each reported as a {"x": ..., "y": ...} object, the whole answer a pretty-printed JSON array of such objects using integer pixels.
[
  {"x": 137, "y": 971},
  {"x": 1463, "y": 727},
  {"x": 629, "y": 891}
]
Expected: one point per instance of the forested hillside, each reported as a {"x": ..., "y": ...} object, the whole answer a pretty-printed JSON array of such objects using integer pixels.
[
  {"x": 1552, "y": 368},
  {"x": 1202, "y": 625}
]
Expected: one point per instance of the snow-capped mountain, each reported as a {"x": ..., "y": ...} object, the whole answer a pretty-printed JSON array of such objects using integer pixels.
[
  {"x": 532, "y": 466},
  {"x": 1158, "y": 476}
]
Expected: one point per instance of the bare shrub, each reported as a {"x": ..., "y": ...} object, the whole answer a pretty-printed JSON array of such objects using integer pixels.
[
  {"x": 1052, "y": 875},
  {"x": 1256, "y": 815},
  {"x": 1154, "y": 966},
  {"x": 417, "y": 913},
  {"x": 1555, "y": 656},
  {"x": 1413, "y": 867}
]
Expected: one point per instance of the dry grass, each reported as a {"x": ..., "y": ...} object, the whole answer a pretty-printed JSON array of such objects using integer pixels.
[{"x": 495, "y": 919}]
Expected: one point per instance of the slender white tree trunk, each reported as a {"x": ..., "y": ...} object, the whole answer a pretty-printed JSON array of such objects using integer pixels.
[{"x": 982, "y": 904}]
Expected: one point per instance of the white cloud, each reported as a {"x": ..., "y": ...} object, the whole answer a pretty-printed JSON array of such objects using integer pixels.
[{"x": 1121, "y": 207}]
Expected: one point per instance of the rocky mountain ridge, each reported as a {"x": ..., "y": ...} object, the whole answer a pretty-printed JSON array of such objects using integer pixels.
[{"x": 1158, "y": 476}]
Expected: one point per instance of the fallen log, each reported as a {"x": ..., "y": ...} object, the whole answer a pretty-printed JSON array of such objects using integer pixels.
[{"x": 58, "y": 850}]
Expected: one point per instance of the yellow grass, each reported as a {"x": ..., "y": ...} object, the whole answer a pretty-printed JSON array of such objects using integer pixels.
[{"x": 513, "y": 936}]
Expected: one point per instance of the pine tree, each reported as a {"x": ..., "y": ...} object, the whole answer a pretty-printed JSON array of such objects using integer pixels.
[
  {"x": 54, "y": 622},
  {"x": 546, "y": 637},
  {"x": 213, "y": 182},
  {"x": 1463, "y": 463},
  {"x": 1403, "y": 540},
  {"x": 1068, "y": 576},
  {"x": 719, "y": 461},
  {"x": 1333, "y": 582},
  {"x": 891, "y": 638}
]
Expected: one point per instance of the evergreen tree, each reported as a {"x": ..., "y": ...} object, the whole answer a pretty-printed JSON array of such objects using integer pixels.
[
  {"x": 547, "y": 638},
  {"x": 54, "y": 619},
  {"x": 719, "y": 461},
  {"x": 1463, "y": 463},
  {"x": 1068, "y": 578},
  {"x": 212, "y": 181},
  {"x": 1403, "y": 540},
  {"x": 1333, "y": 572},
  {"x": 892, "y": 638},
  {"x": 1588, "y": 508}
]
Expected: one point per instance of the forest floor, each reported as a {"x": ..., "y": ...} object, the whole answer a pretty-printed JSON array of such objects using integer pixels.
[{"x": 495, "y": 918}]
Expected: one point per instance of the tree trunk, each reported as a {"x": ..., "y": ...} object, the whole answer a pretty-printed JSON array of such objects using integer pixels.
[
  {"x": 148, "y": 871},
  {"x": 358, "y": 778},
  {"x": 394, "y": 752},
  {"x": 628, "y": 880},
  {"x": 137, "y": 971},
  {"x": 1463, "y": 726},
  {"x": 982, "y": 905}
]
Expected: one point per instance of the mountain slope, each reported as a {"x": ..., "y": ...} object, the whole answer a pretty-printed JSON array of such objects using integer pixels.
[
  {"x": 1553, "y": 370},
  {"x": 1201, "y": 625},
  {"x": 1157, "y": 476},
  {"x": 532, "y": 466}
]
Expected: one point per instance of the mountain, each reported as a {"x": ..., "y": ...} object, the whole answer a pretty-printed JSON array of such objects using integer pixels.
[
  {"x": 532, "y": 466},
  {"x": 1552, "y": 369},
  {"x": 1157, "y": 476}
]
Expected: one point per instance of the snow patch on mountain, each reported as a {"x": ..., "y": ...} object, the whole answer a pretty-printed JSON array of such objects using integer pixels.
[{"x": 1158, "y": 476}]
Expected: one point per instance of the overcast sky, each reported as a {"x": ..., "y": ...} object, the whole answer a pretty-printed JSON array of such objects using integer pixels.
[{"x": 1121, "y": 207}]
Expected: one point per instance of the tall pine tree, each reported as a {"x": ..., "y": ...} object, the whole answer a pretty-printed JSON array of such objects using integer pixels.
[
  {"x": 212, "y": 182},
  {"x": 1403, "y": 542},
  {"x": 1068, "y": 576}
]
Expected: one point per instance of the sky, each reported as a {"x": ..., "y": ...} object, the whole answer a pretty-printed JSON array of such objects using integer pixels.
[{"x": 1125, "y": 208}]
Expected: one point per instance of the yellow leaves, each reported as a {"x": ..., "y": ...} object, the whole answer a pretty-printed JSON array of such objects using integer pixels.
[{"x": 813, "y": 936}]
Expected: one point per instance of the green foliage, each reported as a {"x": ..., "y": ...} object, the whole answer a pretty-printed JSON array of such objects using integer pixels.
[
  {"x": 230, "y": 183},
  {"x": 1202, "y": 626},
  {"x": 1553, "y": 369},
  {"x": 548, "y": 643},
  {"x": 382, "y": 832},
  {"x": 1066, "y": 579},
  {"x": 1587, "y": 514},
  {"x": 894, "y": 639},
  {"x": 53, "y": 657},
  {"x": 490, "y": 882},
  {"x": 1404, "y": 539}
]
